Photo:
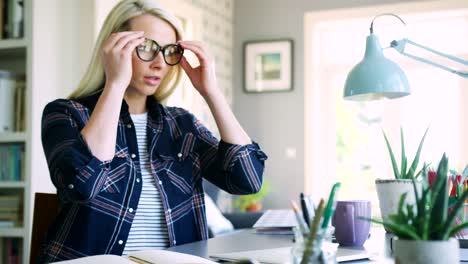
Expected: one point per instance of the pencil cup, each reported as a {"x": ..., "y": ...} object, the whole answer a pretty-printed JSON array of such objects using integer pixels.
[{"x": 321, "y": 251}]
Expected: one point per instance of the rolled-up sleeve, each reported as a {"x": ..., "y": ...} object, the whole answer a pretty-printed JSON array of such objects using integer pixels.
[
  {"x": 75, "y": 172},
  {"x": 237, "y": 169}
]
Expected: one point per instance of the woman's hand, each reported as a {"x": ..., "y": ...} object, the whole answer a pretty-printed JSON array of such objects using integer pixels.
[
  {"x": 117, "y": 57},
  {"x": 203, "y": 77}
]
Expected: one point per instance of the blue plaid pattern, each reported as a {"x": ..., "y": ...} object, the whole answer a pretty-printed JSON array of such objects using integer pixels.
[{"x": 96, "y": 196}]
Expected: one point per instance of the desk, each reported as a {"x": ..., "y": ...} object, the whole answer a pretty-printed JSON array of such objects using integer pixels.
[{"x": 248, "y": 240}]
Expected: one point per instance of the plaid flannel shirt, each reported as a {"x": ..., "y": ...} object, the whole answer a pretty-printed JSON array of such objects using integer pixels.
[{"x": 98, "y": 199}]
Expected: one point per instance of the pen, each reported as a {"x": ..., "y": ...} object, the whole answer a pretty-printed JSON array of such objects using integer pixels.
[
  {"x": 300, "y": 221},
  {"x": 305, "y": 209},
  {"x": 331, "y": 204},
  {"x": 138, "y": 260}
]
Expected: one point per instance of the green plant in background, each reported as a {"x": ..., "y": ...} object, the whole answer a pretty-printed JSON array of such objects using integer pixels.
[
  {"x": 404, "y": 172},
  {"x": 431, "y": 219},
  {"x": 252, "y": 202}
]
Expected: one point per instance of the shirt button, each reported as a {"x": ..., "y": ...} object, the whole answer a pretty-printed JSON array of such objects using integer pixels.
[
  {"x": 129, "y": 125},
  {"x": 120, "y": 242},
  {"x": 71, "y": 186},
  {"x": 174, "y": 242},
  {"x": 138, "y": 180},
  {"x": 169, "y": 210},
  {"x": 130, "y": 210},
  {"x": 133, "y": 156},
  {"x": 160, "y": 182},
  {"x": 179, "y": 155}
]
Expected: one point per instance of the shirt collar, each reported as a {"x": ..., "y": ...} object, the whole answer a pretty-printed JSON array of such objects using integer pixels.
[{"x": 154, "y": 107}]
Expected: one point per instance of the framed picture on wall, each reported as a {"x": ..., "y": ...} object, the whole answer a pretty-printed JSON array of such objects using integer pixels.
[{"x": 268, "y": 66}]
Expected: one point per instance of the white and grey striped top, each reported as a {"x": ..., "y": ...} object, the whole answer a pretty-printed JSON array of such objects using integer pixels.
[{"x": 149, "y": 228}]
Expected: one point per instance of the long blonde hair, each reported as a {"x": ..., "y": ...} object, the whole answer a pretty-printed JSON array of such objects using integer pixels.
[{"x": 117, "y": 20}]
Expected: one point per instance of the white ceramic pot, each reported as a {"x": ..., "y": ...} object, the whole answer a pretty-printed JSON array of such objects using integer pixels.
[
  {"x": 426, "y": 251},
  {"x": 389, "y": 193}
]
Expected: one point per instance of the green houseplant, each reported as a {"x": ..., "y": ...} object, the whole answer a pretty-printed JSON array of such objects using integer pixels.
[
  {"x": 405, "y": 172},
  {"x": 252, "y": 202},
  {"x": 426, "y": 228},
  {"x": 390, "y": 190}
]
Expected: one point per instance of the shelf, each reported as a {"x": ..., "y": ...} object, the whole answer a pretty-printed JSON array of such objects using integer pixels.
[
  {"x": 12, "y": 44},
  {"x": 12, "y": 48},
  {"x": 12, "y": 137},
  {"x": 12, "y": 232},
  {"x": 12, "y": 184}
]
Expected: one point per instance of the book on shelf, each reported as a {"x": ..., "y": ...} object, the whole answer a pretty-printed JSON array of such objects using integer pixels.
[
  {"x": 7, "y": 100},
  {"x": 11, "y": 213},
  {"x": 13, "y": 19},
  {"x": 10, "y": 250},
  {"x": 20, "y": 103},
  {"x": 11, "y": 162},
  {"x": 7, "y": 224},
  {"x": 12, "y": 101},
  {"x": 2, "y": 16}
]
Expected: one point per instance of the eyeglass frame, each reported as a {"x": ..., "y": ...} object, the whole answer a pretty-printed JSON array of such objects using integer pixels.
[{"x": 159, "y": 49}]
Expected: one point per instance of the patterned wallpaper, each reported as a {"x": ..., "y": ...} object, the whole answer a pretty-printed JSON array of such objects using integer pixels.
[{"x": 217, "y": 35}]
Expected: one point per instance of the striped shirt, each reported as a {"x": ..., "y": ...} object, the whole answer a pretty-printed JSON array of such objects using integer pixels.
[
  {"x": 149, "y": 228},
  {"x": 98, "y": 198}
]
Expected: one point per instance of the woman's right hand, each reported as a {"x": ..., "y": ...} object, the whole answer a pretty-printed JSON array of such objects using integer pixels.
[{"x": 117, "y": 57}]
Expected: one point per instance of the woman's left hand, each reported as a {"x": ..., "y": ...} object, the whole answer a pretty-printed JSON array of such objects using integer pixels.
[{"x": 203, "y": 77}]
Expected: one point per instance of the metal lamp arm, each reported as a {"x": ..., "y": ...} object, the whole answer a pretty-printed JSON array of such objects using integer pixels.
[{"x": 400, "y": 47}]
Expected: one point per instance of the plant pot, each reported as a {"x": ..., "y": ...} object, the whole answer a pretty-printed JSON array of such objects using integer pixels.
[
  {"x": 389, "y": 193},
  {"x": 255, "y": 207},
  {"x": 426, "y": 251}
]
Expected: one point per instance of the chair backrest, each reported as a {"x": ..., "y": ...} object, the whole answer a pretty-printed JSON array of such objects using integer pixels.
[{"x": 46, "y": 206}]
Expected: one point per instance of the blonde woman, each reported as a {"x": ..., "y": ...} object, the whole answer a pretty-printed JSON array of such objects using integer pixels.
[{"x": 128, "y": 170}]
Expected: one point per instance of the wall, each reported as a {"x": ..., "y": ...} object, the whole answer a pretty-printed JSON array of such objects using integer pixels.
[
  {"x": 58, "y": 30},
  {"x": 276, "y": 120},
  {"x": 63, "y": 36}
]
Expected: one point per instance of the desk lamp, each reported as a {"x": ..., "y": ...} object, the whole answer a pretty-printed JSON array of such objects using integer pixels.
[{"x": 377, "y": 77}]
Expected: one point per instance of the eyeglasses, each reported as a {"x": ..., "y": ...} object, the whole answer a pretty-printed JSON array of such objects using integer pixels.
[{"x": 149, "y": 49}]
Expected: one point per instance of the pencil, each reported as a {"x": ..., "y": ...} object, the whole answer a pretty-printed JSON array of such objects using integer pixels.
[{"x": 300, "y": 221}]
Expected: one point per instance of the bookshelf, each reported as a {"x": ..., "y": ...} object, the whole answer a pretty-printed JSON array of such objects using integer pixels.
[{"x": 15, "y": 168}]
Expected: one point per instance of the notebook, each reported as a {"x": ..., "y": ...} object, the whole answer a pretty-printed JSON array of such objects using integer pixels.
[
  {"x": 283, "y": 255},
  {"x": 151, "y": 256},
  {"x": 276, "y": 222}
]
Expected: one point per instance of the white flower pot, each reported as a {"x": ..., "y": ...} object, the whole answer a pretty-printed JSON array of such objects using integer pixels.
[
  {"x": 426, "y": 251},
  {"x": 389, "y": 193}
]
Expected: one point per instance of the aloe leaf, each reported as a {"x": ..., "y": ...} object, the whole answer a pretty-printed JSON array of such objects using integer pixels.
[
  {"x": 416, "y": 195},
  {"x": 465, "y": 173},
  {"x": 455, "y": 210},
  {"x": 457, "y": 229},
  {"x": 410, "y": 212},
  {"x": 392, "y": 157},
  {"x": 440, "y": 198},
  {"x": 414, "y": 165},
  {"x": 404, "y": 160},
  {"x": 402, "y": 231},
  {"x": 424, "y": 214},
  {"x": 401, "y": 202}
]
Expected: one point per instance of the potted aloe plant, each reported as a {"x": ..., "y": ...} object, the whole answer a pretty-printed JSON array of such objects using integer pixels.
[
  {"x": 424, "y": 231},
  {"x": 389, "y": 191}
]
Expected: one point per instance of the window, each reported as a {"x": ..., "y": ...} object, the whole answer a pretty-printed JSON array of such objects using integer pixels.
[{"x": 344, "y": 141}]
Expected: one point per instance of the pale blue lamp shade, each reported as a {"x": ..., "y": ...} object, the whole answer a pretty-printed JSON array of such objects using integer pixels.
[{"x": 375, "y": 76}]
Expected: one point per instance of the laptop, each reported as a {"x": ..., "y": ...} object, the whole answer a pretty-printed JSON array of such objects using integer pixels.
[{"x": 283, "y": 255}]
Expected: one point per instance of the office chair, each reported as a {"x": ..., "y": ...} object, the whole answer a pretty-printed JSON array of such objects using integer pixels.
[{"x": 46, "y": 206}]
